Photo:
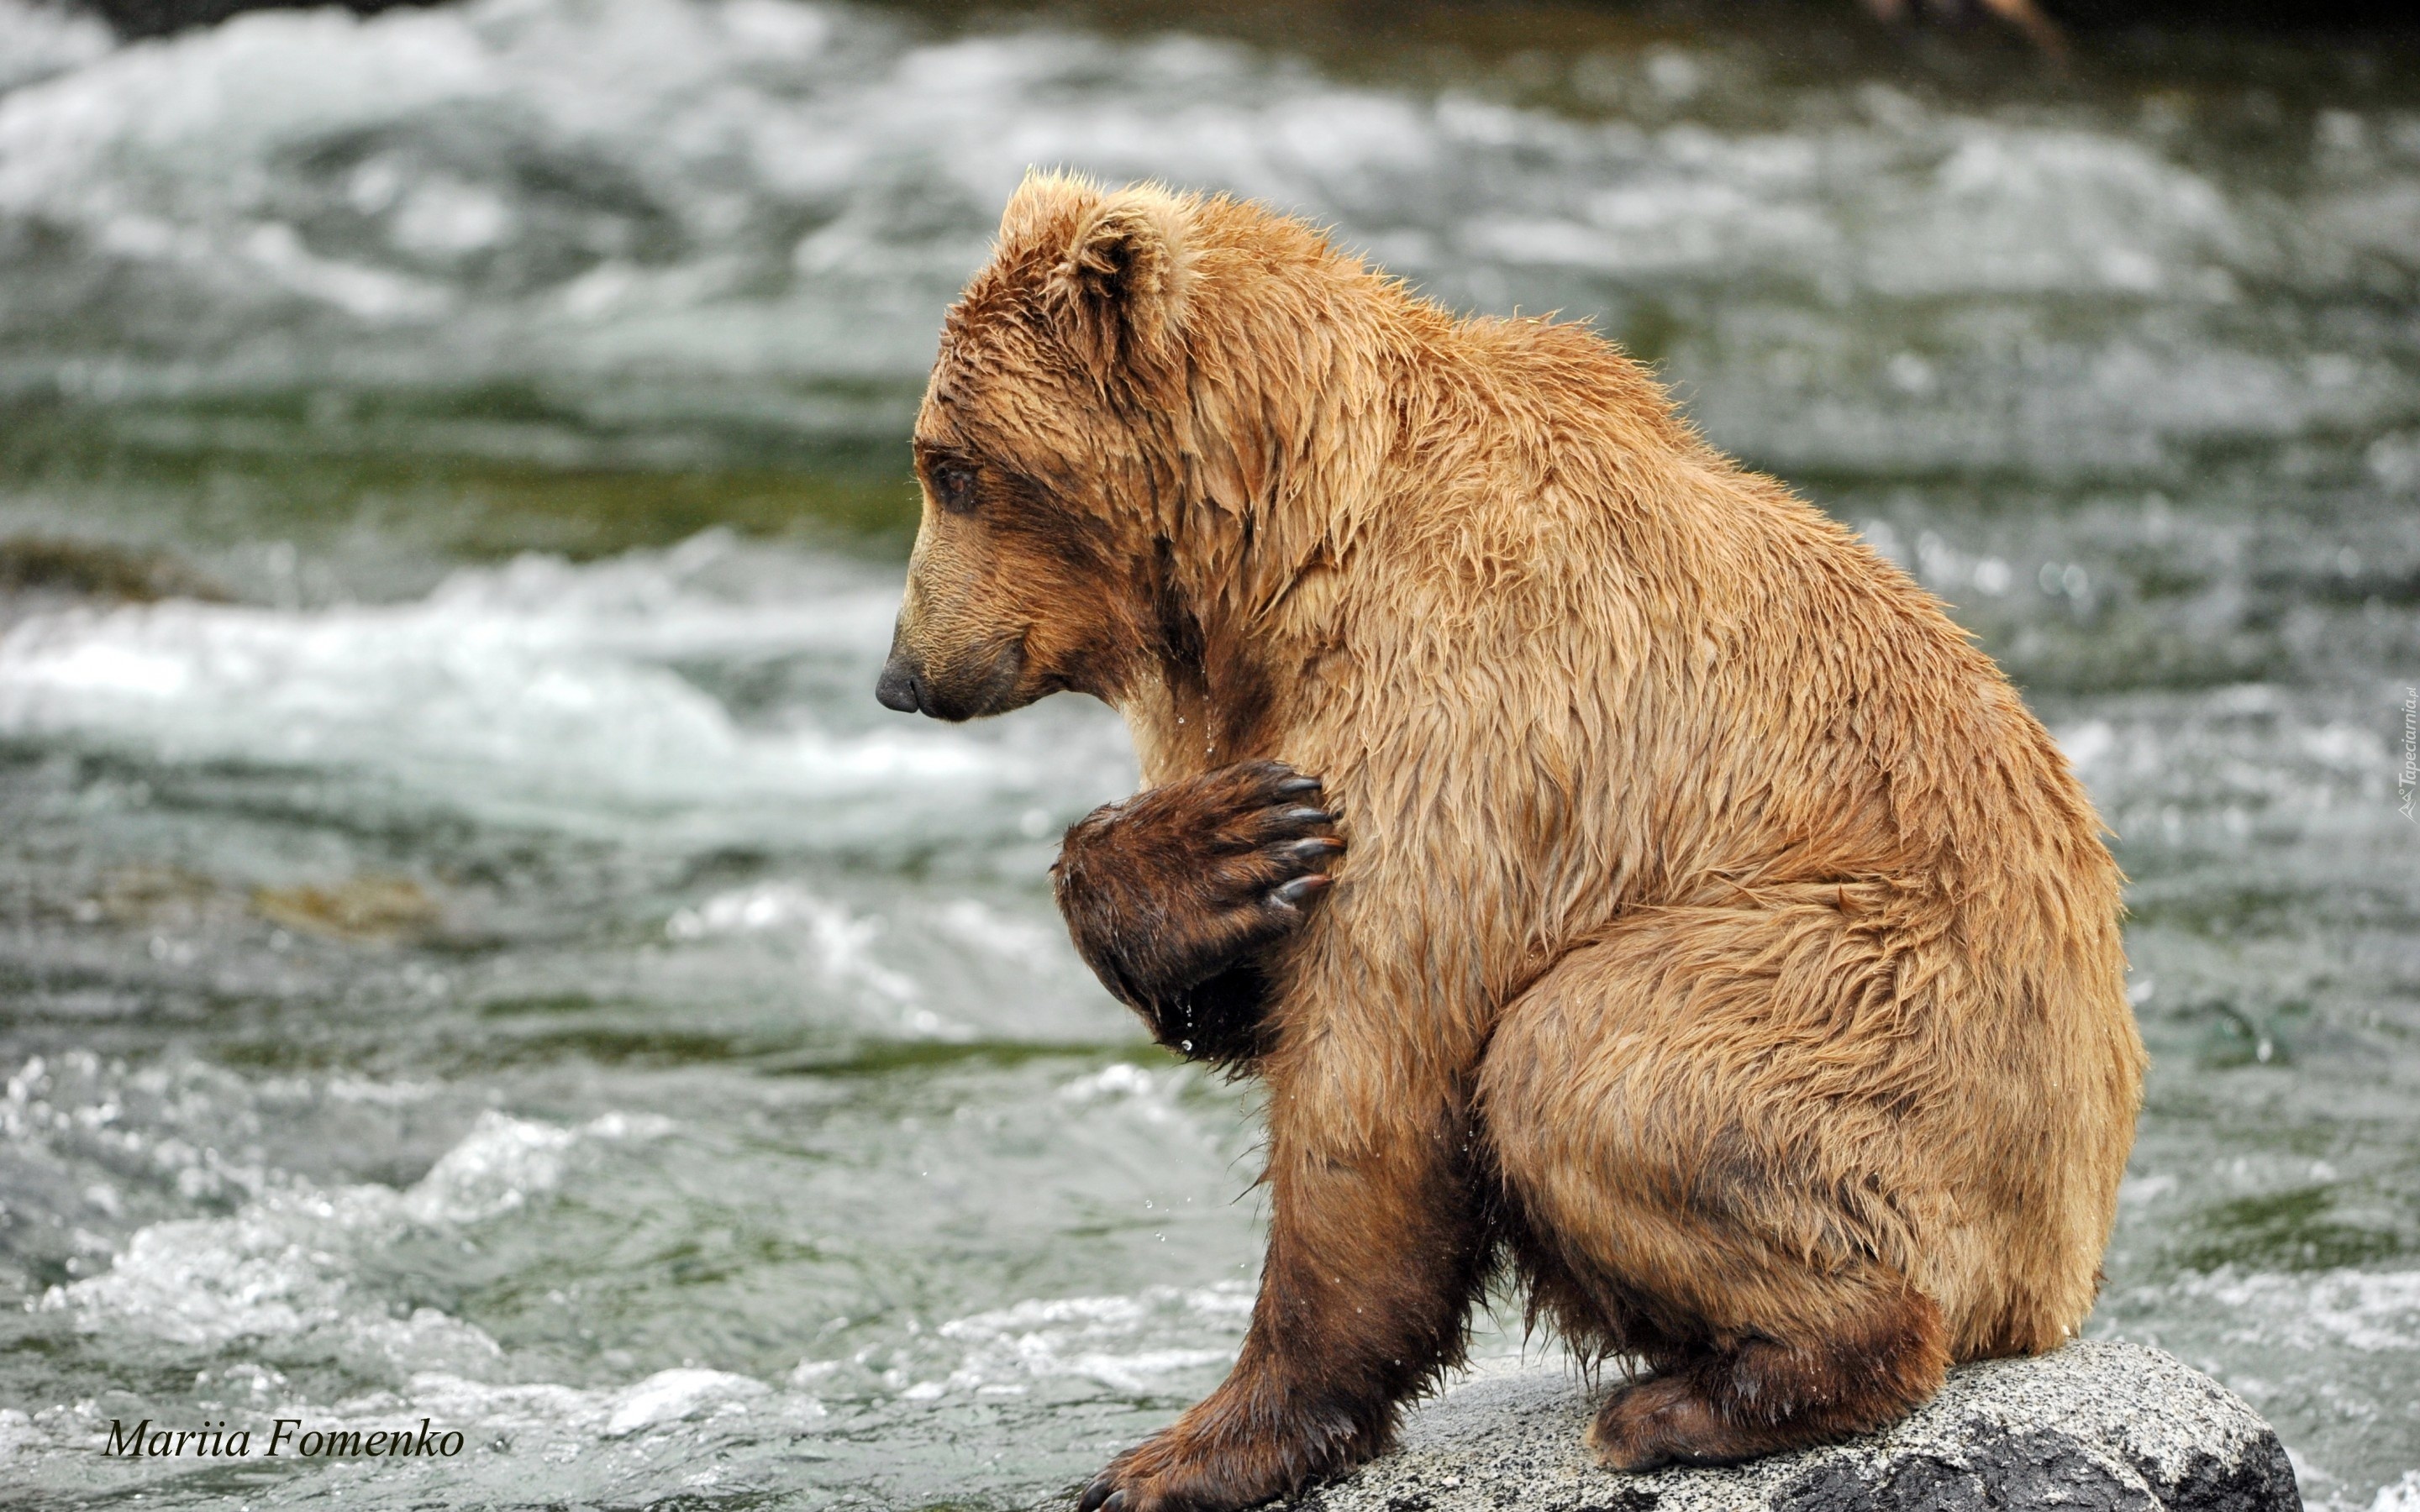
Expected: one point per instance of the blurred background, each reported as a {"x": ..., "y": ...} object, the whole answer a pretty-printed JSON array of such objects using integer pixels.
[{"x": 471, "y": 948}]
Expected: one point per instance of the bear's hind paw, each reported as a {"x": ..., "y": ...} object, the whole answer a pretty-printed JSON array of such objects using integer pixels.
[{"x": 1661, "y": 1421}]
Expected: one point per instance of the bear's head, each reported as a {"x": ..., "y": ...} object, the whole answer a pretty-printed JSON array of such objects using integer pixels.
[{"x": 1043, "y": 449}]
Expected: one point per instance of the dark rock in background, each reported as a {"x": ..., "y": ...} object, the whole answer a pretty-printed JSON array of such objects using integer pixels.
[
  {"x": 96, "y": 569},
  {"x": 158, "y": 17},
  {"x": 2109, "y": 1427}
]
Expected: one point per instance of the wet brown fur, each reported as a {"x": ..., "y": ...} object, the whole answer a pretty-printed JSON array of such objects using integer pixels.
[{"x": 1719, "y": 931}]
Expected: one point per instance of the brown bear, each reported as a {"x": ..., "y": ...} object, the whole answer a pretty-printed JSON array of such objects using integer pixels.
[{"x": 1720, "y": 940}]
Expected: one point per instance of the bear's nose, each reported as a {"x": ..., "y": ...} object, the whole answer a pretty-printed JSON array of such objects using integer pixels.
[{"x": 899, "y": 687}]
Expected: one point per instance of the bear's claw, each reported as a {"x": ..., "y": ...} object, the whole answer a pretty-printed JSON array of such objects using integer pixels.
[
  {"x": 1316, "y": 848},
  {"x": 1295, "y": 891}
]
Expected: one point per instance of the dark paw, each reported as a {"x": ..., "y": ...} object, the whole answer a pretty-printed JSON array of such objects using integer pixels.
[
  {"x": 1181, "y": 1471},
  {"x": 1664, "y": 1420},
  {"x": 1139, "y": 1480},
  {"x": 1185, "y": 883}
]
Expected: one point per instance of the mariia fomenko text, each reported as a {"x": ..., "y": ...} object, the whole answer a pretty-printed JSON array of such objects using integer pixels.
[{"x": 286, "y": 1436}]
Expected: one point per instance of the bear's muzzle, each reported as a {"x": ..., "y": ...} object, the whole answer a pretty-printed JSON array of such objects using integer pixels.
[{"x": 968, "y": 686}]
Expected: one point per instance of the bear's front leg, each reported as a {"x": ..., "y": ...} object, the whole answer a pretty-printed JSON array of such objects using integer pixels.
[
  {"x": 1379, "y": 1247},
  {"x": 1171, "y": 895}
]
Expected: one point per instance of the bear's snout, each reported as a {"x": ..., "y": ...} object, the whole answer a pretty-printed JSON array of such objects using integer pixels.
[{"x": 979, "y": 680}]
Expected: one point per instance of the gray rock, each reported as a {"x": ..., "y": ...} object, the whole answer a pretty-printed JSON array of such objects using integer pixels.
[{"x": 2097, "y": 1427}]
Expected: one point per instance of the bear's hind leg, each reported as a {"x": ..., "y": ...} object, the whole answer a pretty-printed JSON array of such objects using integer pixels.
[
  {"x": 1702, "y": 1171},
  {"x": 1765, "y": 1394}
]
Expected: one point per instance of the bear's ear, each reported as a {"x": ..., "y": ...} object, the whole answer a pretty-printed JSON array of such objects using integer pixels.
[{"x": 1118, "y": 292}]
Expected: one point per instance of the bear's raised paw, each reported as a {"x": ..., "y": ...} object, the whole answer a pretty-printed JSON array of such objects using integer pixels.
[{"x": 1171, "y": 895}]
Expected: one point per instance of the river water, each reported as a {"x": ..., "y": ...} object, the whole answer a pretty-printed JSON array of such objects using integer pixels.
[{"x": 472, "y": 948}]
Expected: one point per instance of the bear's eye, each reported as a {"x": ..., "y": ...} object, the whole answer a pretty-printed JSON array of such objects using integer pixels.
[{"x": 954, "y": 487}]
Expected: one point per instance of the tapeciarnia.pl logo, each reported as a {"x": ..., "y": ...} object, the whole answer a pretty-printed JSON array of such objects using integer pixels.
[{"x": 2406, "y": 777}]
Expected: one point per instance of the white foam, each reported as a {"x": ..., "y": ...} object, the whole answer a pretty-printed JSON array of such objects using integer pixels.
[
  {"x": 2086, "y": 744},
  {"x": 2402, "y": 1496},
  {"x": 1012, "y": 939},
  {"x": 537, "y": 691},
  {"x": 158, "y": 1124},
  {"x": 841, "y": 939},
  {"x": 673, "y": 1395},
  {"x": 499, "y": 1165},
  {"x": 1123, "y": 1079},
  {"x": 291, "y": 159},
  {"x": 204, "y": 1281},
  {"x": 2367, "y": 1311},
  {"x": 39, "y": 40},
  {"x": 281, "y": 1265},
  {"x": 1130, "y": 1344},
  {"x": 18, "y": 1434},
  {"x": 1151, "y": 1096}
]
